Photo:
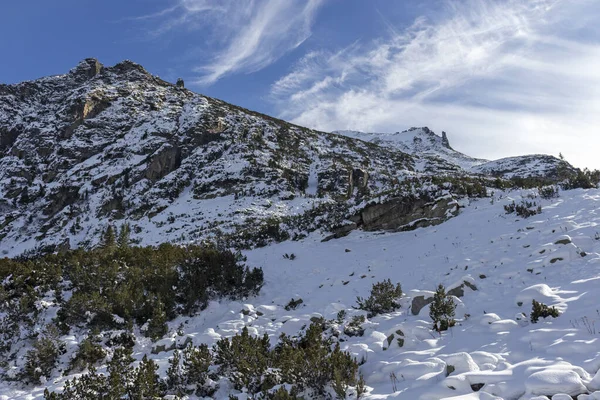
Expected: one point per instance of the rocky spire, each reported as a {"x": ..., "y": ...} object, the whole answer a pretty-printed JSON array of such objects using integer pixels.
[{"x": 445, "y": 140}]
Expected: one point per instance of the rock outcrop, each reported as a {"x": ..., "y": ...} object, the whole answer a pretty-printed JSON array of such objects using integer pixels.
[{"x": 406, "y": 213}]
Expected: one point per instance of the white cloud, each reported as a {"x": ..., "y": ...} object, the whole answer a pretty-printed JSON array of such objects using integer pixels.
[
  {"x": 501, "y": 77},
  {"x": 248, "y": 35}
]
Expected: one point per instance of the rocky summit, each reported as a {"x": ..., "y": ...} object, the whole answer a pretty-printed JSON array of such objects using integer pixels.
[{"x": 102, "y": 146}]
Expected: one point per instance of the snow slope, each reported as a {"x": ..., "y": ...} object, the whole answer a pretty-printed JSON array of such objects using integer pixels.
[{"x": 553, "y": 257}]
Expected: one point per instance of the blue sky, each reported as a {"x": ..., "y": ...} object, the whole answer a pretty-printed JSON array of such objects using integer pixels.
[{"x": 501, "y": 77}]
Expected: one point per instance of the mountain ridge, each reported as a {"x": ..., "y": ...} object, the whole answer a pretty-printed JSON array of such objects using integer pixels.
[
  {"x": 117, "y": 145},
  {"x": 433, "y": 150}
]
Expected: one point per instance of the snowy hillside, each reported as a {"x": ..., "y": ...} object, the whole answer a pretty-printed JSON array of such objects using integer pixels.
[
  {"x": 494, "y": 351},
  {"x": 117, "y": 145},
  {"x": 434, "y": 153}
]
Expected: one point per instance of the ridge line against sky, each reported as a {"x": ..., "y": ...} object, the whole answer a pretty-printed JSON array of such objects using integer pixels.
[{"x": 502, "y": 77}]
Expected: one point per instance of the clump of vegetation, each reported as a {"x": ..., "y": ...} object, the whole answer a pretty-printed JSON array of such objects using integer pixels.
[
  {"x": 525, "y": 209},
  {"x": 541, "y": 310},
  {"x": 134, "y": 283},
  {"x": 441, "y": 310},
  {"x": 583, "y": 179},
  {"x": 41, "y": 360},
  {"x": 293, "y": 304},
  {"x": 354, "y": 327},
  {"x": 113, "y": 287},
  {"x": 89, "y": 353},
  {"x": 548, "y": 192},
  {"x": 157, "y": 326},
  {"x": 383, "y": 298},
  {"x": 122, "y": 381},
  {"x": 310, "y": 365}
]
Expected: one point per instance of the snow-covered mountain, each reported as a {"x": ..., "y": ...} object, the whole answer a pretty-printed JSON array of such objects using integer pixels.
[
  {"x": 114, "y": 145},
  {"x": 108, "y": 146},
  {"x": 433, "y": 153},
  {"x": 117, "y": 144}
]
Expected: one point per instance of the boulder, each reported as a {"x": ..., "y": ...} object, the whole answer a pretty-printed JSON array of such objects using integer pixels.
[
  {"x": 459, "y": 291},
  {"x": 418, "y": 303}
]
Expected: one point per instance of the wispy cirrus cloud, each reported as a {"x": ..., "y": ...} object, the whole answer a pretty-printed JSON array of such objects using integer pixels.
[
  {"x": 504, "y": 77},
  {"x": 246, "y": 36}
]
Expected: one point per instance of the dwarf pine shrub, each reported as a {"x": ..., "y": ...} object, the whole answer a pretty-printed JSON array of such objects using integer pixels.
[
  {"x": 42, "y": 359},
  {"x": 90, "y": 352},
  {"x": 541, "y": 310},
  {"x": 548, "y": 192},
  {"x": 525, "y": 209},
  {"x": 383, "y": 299}
]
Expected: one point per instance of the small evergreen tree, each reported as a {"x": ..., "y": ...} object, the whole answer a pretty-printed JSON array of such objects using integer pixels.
[
  {"x": 147, "y": 384},
  {"x": 196, "y": 362},
  {"x": 89, "y": 353},
  {"x": 157, "y": 326},
  {"x": 175, "y": 378},
  {"x": 41, "y": 361},
  {"x": 123, "y": 240},
  {"x": 108, "y": 238},
  {"x": 441, "y": 310},
  {"x": 120, "y": 372},
  {"x": 244, "y": 359},
  {"x": 361, "y": 387}
]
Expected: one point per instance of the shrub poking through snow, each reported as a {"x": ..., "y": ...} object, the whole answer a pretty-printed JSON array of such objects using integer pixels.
[
  {"x": 89, "y": 353},
  {"x": 383, "y": 299},
  {"x": 441, "y": 310},
  {"x": 293, "y": 304},
  {"x": 354, "y": 327},
  {"x": 157, "y": 325},
  {"x": 122, "y": 380},
  {"x": 541, "y": 310},
  {"x": 41, "y": 360},
  {"x": 524, "y": 210},
  {"x": 548, "y": 192}
]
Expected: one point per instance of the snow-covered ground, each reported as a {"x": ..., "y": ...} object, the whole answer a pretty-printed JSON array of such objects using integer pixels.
[{"x": 553, "y": 257}]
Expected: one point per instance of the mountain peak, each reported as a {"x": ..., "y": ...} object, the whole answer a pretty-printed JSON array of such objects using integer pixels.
[
  {"x": 87, "y": 68},
  {"x": 128, "y": 65}
]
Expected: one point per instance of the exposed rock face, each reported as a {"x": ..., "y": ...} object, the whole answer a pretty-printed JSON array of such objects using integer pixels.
[
  {"x": 418, "y": 303},
  {"x": 406, "y": 213},
  {"x": 87, "y": 69},
  {"x": 165, "y": 161},
  {"x": 445, "y": 141},
  {"x": 358, "y": 179}
]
